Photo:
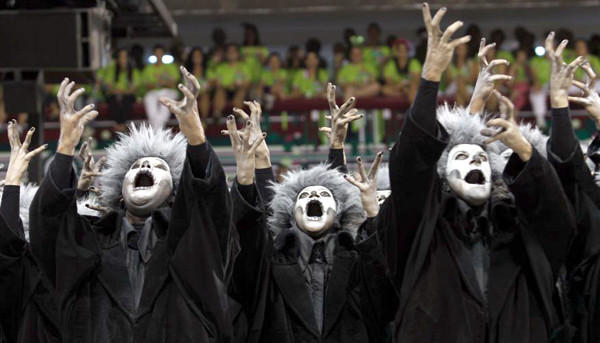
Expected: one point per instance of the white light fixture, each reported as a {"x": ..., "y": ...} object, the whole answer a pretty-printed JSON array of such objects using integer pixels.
[
  {"x": 167, "y": 59},
  {"x": 540, "y": 50},
  {"x": 152, "y": 59}
]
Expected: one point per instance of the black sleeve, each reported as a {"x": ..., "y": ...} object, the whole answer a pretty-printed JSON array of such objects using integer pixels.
[
  {"x": 201, "y": 237},
  {"x": 10, "y": 209},
  {"x": 423, "y": 109},
  {"x": 562, "y": 140},
  {"x": 250, "y": 275},
  {"x": 264, "y": 178},
  {"x": 542, "y": 205},
  {"x": 336, "y": 160}
]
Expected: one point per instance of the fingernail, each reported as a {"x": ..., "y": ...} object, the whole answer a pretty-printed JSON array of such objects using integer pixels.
[
  {"x": 264, "y": 134},
  {"x": 359, "y": 159},
  {"x": 222, "y": 132},
  {"x": 443, "y": 8},
  {"x": 32, "y": 129},
  {"x": 235, "y": 108}
]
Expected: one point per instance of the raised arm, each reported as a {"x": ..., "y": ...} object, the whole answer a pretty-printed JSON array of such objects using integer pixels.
[
  {"x": 55, "y": 198},
  {"x": 485, "y": 79},
  {"x": 340, "y": 117}
]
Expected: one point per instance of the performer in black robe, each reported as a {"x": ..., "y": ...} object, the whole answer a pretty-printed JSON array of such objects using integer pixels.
[
  {"x": 299, "y": 274},
  {"x": 566, "y": 155},
  {"x": 155, "y": 268},
  {"x": 28, "y": 308},
  {"x": 471, "y": 260}
]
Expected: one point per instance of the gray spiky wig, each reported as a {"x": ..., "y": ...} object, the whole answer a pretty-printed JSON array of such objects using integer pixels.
[
  {"x": 26, "y": 194},
  {"x": 383, "y": 178},
  {"x": 141, "y": 141},
  {"x": 350, "y": 214},
  {"x": 536, "y": 138}
]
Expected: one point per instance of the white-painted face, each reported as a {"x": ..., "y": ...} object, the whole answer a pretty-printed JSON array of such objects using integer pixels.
[
  {"x": 315, "y": 210},
  {"x": 147, "y": 185},
  {"x": 382, "y": 195},
  {"x": 469, "y": 173}
]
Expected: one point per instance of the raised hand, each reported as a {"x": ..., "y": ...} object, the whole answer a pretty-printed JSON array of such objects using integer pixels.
[
  {"x": 72, "y": 122},
  {"x": 510, "y": 135},
  {"x": 244, "y": 150},
  {"x": 562, "y": 74},
  {"x": 588, "y": 98},
  {"x": 186, "y": 109},
  {"x": 507, "y": 108},
  {"x": 20, "y": 156},
  {"x": 486, "y": 78},
  {"x": 367, "y": 184},
  {"x": 340, "y": 118},
  {"x": 90, "y": 169},
  {"x": 439, "y": 46}
]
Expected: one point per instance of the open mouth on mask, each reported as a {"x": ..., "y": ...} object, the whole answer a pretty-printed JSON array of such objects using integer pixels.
[
  {"x": 475, "y": 177},
  {"x": 314, "y": 210},
  {"x": 143, "y": 180}
]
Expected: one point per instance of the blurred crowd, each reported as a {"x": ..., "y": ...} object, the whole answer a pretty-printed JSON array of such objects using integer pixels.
[{"x": 362, "y": 65}]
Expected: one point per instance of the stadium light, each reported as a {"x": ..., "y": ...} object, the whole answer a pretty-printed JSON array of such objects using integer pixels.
[
  {"x": 152, "y": 59},
  {"x": 540, "y": 51},
  {"x": 167, "y": 59}
]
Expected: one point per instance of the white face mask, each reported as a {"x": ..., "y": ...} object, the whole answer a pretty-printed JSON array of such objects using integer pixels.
[
  {"x": 315, "y": 210},
  {"x": 147, "y": 185},
  {"x": 382, "y": 195},
  {"x": 469, "y": 173}
]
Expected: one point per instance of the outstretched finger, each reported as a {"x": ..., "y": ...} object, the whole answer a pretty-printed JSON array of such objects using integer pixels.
[
  {"x": 241, "y": 113},
  {"x": 510, "y": 107},
  {"x": 82, "y": 112},
  {"x": 575, "y": 64},
  {"x": 375, "y": 166},
  {"x": 437, "y": 18},
  {"x": 61, "y": 91},
  {"x": 498, "y": 122},
  {"x": 98, "y": 208},
  {"x": 35, "y": 152},
  {"x": 27, "y": 140},
  {"x": 11, "y": 134},
  {"x": 67, "y": 91},
  {"x": 500, "y": 77},
  {"x": 257, "y": 109},
  {"x": 495, "y": 63},
  {"x": 190, "y": 80},
  {"x": 95, "y": 190},
  {"x": 73, "y": 97},
  {"x": 15, "y": 134},
  {"x": 351, "y": 119},
  {"x": 251, "y": 106},
  {"x": 348, "y": 105},
  {"x": 89, "y": 117},
  {"x": 494, "y": 138},
  {"x": 331, "y": 97},
  {"x": 460, "y": 41},
  {"x": 233, "y": 132},
  {"x": 171, "y": 105},
  {"x": 361, "y": 169},
  {"x": 100, "y": 163},
  {"x": 450, "y": 30},
  {"x": 559, "y": 51},
  {"x": 427, "y": 18},
  {"x": 352, "y": 181},
  {"x": 325, "y": 129},
  {"x": 584, "y": 88},
  {"x": 482, "y": 55},
  {"x": 187, "y": 93},
  {"x": 83, "y": 149},
  {"x": 550, "y": 45},
  {"x": 257, "y": 143},
  {"x": 579, "y": 100}
]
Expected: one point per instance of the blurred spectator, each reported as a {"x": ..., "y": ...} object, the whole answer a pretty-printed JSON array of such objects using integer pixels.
[
  {"x": 594, "y": 45},
  {"x": 401, "y": 74},
  {"x": 293, "y": 62},
  {"x": 137, "y": 56},
  {"x": 347, "y": 36},
  {"x": 538, "y": 94},
  {"x": 231, "y": 80},
  {"x": 581, "y": 49},
  {"x": 357, "y": 78},
  {"x": 160, "y": 80},
  {"x": 339, "y": 59},
  {"x": 421, "y": 49},
  {"x": 522, "y": 76},
  {"x": 273, "y": 80},
  {"x": 120, "y": 80},
  {"x": 310, "y": 81},
  {"x": 474, "y": 31},
  {"x": 314, "y": 45},
  {"x": 196, "y": 64},
  {"x": 253, "y": 52},
  {"x": 219, "y": 38},
  {"x": 497, "y": 36},
  {"x": 375, "y": 53},
  {"x": 459, "y": 79}
]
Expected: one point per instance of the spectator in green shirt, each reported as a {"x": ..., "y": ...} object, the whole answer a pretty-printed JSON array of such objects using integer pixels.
[
  {"x": 160, "y": 80},
  {"x": 120, "y": 80},
  {"x": 402, "y": 74},
  {"x": 357, "y": 78},
  {"x": 310, "y": 82},
  {"x": 522, "y": 76},
  {"x": 581, "y": 49},
  {"x": 538, "y": 94},
  {"x": 253, "y": 52},
  {"x": 459, "y": 78},
  {"x": 231, "y": 80},
  {"x": 375, "y": 53},
  {"x": 196, "y": 64},
  {"x": 273, "y": 80}
]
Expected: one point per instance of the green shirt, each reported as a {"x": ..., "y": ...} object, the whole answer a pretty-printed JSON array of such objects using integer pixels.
[
  {"x": 154, "y": 72},
  {"x": 106, "y": 75},
  {"x": 231, "y": 75},
  {"x": 391, "y": 72},
  {"x": 542, "y": 69},
  {"x": 358, "y": 74},
  {"x": 251, "y": 58},
  {"x": 310, "y": 87},
  {"x": 505, "y": 55},
  {"x": 270, "y": 78},
  {"x": 376, "y": 56}
]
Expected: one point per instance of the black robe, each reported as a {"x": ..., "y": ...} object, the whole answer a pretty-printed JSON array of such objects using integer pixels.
[
  {"x": 268, "y": 281},
  {"x": 28, "y": 309},
  {"x": 583, "y": 263},
  {"x": 184, "y": 296},
  {"x": 440, "y": 299}
]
